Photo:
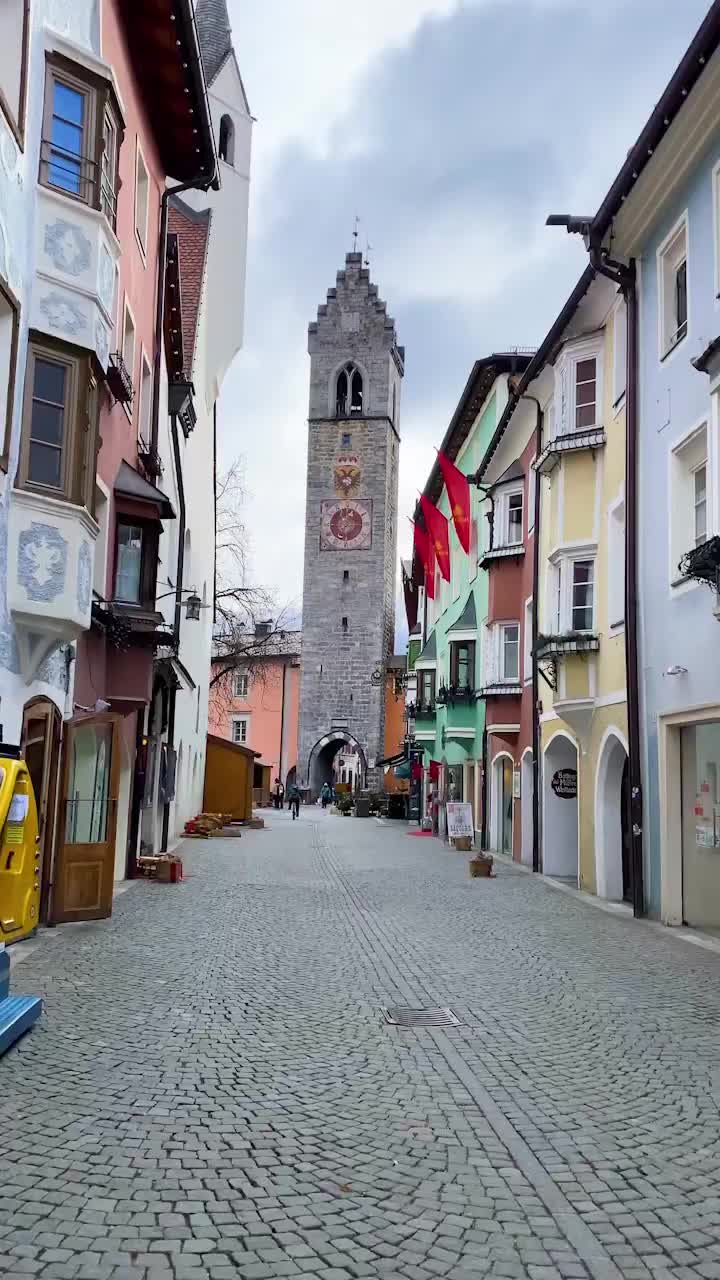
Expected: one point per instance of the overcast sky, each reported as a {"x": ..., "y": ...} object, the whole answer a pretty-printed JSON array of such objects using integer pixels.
[{"x": 452, "y": 129}]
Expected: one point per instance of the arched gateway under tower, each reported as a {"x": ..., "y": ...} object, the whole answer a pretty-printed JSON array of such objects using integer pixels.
[{"x": 356, "y": 370}]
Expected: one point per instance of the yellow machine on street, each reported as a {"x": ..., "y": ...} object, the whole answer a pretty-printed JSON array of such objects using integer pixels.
[{"x": 19, "y": 850}]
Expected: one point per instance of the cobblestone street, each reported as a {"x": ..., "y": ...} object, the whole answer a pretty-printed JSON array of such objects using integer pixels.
[{"x": 213, "y": 1091}]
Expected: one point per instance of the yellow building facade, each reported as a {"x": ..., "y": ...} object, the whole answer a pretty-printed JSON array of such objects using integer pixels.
[{"x": 580, "y": 648}]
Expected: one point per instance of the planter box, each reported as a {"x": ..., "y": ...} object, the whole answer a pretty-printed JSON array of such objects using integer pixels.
[
  {"x": 480, "y": 867},
  {"x": 462, "y": 843}
]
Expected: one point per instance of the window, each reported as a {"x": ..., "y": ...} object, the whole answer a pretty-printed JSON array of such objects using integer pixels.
[
  {"x": 60, "y": 419},
  {"x": 142, "y": 198},
  {"x": 344, "y": 624},
  {"x": 349, "y": 392},
  {"x": 239, "y": 729},
  {"x": 556, "y": 609},
  {"x": 673, "y": 289},
  {"x": 426, "y": 688},
  {"x": 14, "y": 28},
  {"x": 582, "y": 595},
  {"x": 145, "y": 411},
  {"x": 619, "y": 351},
  {"x": 128, "y": 351},
  {"x": 514, "y": 519},
  {"x": 136, "y": 556},
  {"x": 346, "y": 440},
  {"x": 109, "y": 169},
  {"x": 527, "y": 640},
  {"x": 82, "y": 135},
  {"x": 9, "y": 319},
  {"x": 585, "y": 394},
  {"x": 128, "y": 562},
  {"x": 346, "y": 575},
  {"x": 102, "y": 510},
  {"x": 616, "y": 565},
  {"x": 226, "y": 141},
  {"x": 462, "y": 664},
  {"x": 241, "y": 682},
  {"x": 689, "y": 500},
  {"x": 510, "y": 652}
]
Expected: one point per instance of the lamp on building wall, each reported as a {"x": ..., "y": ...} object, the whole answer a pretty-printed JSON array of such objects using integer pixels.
[
  {"x": 675, "y": 670},
  {"x": 193, "y": 605}
]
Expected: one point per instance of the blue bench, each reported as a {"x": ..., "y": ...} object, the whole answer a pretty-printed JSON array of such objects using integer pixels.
[{"x": 17, "y": 1013}]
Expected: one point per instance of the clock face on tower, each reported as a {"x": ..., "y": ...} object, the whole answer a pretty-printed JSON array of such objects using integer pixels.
[{"x": 346, "y": 525}]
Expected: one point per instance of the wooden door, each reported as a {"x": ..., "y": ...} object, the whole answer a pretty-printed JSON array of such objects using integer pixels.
[
  {"x": 41, "y": 751},
  {"x": 85, "y": 862}
]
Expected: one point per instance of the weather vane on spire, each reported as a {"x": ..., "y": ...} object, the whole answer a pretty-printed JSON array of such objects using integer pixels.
[
  {"x": 368, "y": 251},
  {"x": 356, "y": 233}
]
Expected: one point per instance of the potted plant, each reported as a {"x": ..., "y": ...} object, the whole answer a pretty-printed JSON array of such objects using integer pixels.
[{"x": 481, "y": 866}]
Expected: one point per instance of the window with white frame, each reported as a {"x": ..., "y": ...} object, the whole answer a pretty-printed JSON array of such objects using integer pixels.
[
  {"x": 571, "y": 595},
  {"x": 510, "y": 652},
  {"x": 241, "y": 682},
  {"x": 581, "y": 604},
  {"x": 240, "y": 727},
  {"x": 673, "y": 288},
  {"x": 513, "y": 518},
  {"x": 586, "y": 394},
  {"x": 616, "y": 564},
  {"x": 527, "y": 640},
  {"x": 690, "y": 516},
  {"x": 619, "y": 351},
  {"x": 142, "y": 200}
]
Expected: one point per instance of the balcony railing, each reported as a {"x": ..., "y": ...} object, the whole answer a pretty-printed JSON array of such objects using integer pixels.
[
  {"x": 149, "y": 459},
  {"x": 119, "y": 380},
  {"x": 449, "y": 695},
  {"x": 568, "y": 642}
]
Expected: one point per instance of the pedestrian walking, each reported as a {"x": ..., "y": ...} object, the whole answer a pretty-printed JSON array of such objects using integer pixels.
[
  {"x": 326, "y": 794},
  {"x": 278, "y": 794},
  {"x": 294, "y": 800}
]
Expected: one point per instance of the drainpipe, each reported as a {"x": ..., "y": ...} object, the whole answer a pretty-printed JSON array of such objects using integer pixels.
[
  {"x": 179, "y": 575},
  {"x": 625, "y": 276},
  {"x": 215, "y": 504},
  {"x": 537, "y": 810},
  {"x": 484, "y": 826},
  {"x": 282, "y": 721}
]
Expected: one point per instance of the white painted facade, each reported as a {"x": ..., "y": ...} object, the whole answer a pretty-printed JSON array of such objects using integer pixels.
[
  {"x": 59, "y": 265},
  {"x": 218, "y": 339}
]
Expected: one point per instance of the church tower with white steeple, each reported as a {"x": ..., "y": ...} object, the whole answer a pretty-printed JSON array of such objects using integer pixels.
[{"x": 356, "y": 371}]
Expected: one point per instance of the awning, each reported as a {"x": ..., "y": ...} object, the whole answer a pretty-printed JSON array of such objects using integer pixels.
[
  {"x": 175, "y": 673},
  {"x": 130, "y": 484},
  {"x": 396, "y": 759}
]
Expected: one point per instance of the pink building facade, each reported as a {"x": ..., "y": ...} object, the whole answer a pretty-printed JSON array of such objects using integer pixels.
[{"x": 257, "y": 704}]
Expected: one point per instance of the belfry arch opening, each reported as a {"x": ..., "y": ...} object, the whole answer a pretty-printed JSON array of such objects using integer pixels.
[
  {"x": 349, "y": 392},
  {"x": 323, "y": 756}
]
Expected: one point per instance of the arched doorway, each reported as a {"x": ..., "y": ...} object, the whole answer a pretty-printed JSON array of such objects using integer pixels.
[
  {"x": 501, "y": 804},
  {"x": 526, "y": 808},
  {"x": 612, "y": 825},
  {"x": 560, "y": 810},
  {"x": 322, "y": 757}
]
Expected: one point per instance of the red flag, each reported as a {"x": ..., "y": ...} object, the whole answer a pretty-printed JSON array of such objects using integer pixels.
[
  {"x": 459, "y": 494},
  {"x": 424, "y": 548},
  {"x": 437, "y": 527},
  {"x": 435, "y": 770},
  {"x": 410, "y": 592}
]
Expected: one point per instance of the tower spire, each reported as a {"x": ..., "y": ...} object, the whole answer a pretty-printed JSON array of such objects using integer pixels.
[{"x": 356, "y": 233}]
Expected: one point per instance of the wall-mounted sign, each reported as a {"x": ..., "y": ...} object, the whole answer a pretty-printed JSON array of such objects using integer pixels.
[
  {"x": 516, "y": 784},
  {"x": 564, "y": 784}
]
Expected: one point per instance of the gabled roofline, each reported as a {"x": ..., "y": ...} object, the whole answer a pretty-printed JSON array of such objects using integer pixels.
[
  {"x": 686, "y": 75},
  {"x": 537, "y": 364},
  {"x": 481, "y": 379}
]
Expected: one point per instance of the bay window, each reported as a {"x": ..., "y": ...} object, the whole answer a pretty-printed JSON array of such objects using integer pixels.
[
  {"x": 426, "y": 688},
  {"x": 586, "y": 394},
  {"x": 81, "y": 135},
  {"x": 136, "y": 548},
  {"x": 510, "y": 652},
  {"x": 60, "y": 422},
  {"x": 582, "y": 595},
  {"x": 462, "y": 664}
]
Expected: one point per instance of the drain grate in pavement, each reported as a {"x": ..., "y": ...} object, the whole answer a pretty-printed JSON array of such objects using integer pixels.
[{"x": 402, "y": 1017}]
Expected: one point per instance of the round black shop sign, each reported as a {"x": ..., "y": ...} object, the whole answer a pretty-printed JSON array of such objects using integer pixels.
[{"x": 564, "y": 783}]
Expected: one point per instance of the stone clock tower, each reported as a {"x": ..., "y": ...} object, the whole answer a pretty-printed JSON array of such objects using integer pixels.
[{"x": 356, "y": 370}]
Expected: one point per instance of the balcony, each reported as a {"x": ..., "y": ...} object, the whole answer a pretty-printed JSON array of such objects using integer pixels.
[
  {"x": 574, "y": 700},
  {"x": 452, "y": 695},
  {"x": 572, "y": 442},
  {"x": 76, "y": 263},
  {"x": 118, "y": 379},
  {"x": 51, "y": 552},
  {"x": 553, "y": 647}
]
